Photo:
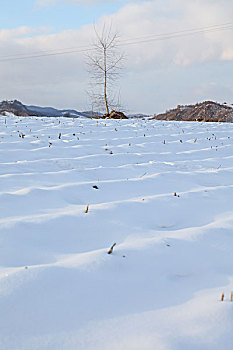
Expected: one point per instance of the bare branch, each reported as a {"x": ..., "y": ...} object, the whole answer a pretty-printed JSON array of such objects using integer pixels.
[{"x": 104, "y": 66}]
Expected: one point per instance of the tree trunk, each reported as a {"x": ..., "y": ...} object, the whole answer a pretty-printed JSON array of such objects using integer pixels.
[{"x": 105, "y": 82}]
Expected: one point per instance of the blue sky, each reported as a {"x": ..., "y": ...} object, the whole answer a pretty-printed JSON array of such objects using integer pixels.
[
  {"x": 16, "y": 13},
  {"x": 157, "y": 76}
]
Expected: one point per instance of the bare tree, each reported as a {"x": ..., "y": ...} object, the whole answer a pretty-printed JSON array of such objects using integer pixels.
[{"x": 104, "y": 65}]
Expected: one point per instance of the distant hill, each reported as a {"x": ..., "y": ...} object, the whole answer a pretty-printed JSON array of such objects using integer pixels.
[
  {"x": 53, "y": 112},
  {"x": 207, "y": 111},
  {"x": 18, "y": 108},
  {"x": 49, "y": 111},
  {"x": 14, "y": 107}
]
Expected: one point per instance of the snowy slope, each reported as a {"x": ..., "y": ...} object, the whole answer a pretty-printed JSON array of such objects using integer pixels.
[{"x": 161, "y": 287}]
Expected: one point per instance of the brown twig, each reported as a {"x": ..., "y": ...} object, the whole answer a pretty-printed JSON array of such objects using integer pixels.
[{"x": 111, "y": 249}]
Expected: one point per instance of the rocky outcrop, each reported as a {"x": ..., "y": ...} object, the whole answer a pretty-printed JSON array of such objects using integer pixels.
[
  {"x": 15, "y": 107},
  {"x": 207, "y": 111},
  {"x": 114, "y": 115}
]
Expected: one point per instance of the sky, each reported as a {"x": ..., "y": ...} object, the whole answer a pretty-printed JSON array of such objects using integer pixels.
[{"x": 175, "y": 66}]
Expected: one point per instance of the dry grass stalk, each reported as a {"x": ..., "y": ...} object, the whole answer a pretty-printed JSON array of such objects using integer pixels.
[
  {"x": 176, "y": 195},
  {"x": 222, "y": 297},
  {"x": 231, "y": 297},
  {"x": 59, "y": 135},
  {"x": 87, "y": 208},
  {"x": 111, "y": 249}
]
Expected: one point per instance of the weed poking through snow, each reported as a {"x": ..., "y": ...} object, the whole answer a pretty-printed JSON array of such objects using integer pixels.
[{"x": 111, "y": 249}]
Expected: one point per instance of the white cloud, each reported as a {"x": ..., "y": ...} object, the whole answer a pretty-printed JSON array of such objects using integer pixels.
[
  {"x": 48, "y": 3},
  {"x": 7, "y": 34},
  {"x": 227, "y": 55},
  {"x": 62, "y": 80},
  {"x": 45, "y": 3}
]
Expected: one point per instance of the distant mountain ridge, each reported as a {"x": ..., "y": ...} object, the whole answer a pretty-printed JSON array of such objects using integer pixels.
[
  {"x": 207, "y": 111},
  {"x": 53, "y": 112},
  {"x": 18, "y": 108}
]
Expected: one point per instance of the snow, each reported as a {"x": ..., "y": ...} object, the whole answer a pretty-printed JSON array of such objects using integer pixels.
[{"x": 161, "y": 287}]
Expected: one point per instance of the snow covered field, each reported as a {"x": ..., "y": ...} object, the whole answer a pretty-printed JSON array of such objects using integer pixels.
[{"x": 161, "y": 287}]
